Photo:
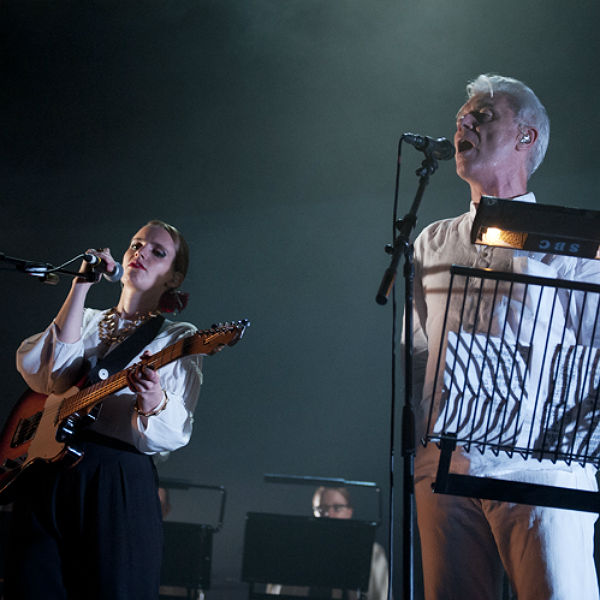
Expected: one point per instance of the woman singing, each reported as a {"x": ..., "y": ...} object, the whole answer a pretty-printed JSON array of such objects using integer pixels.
[{"x": 94, "y": 530}]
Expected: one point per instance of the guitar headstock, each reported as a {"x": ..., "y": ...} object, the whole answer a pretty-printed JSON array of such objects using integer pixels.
[{"x": 220, "y": 335}]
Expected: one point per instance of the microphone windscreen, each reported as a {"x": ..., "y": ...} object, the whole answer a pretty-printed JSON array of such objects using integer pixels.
[{"x": 116, "y": 274}]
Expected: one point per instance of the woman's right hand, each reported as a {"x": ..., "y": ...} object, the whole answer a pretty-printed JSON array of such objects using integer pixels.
[{"x": 108, "y": 265}]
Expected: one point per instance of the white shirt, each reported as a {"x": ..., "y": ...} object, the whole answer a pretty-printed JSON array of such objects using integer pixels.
[{"x": 51, "y": 366}]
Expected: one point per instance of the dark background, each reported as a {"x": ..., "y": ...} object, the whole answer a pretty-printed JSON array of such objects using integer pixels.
[{"x": 265, "y": 130}]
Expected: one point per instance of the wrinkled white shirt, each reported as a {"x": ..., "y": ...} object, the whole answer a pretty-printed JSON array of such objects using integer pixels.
[{"x": 51, "y": 366}]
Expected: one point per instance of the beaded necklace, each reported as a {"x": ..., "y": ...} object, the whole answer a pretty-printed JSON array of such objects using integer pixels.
[{"x": 107, "y": 327}]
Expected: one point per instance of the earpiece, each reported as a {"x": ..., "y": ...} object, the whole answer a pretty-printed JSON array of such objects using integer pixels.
[{"x": 525, "y": 139}]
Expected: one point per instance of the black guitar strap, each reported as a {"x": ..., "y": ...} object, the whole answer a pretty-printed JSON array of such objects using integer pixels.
[{"x": 117, "y": 359}]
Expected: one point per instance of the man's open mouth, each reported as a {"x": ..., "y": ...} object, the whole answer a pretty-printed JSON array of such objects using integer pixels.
[{"x": 464, "y": 145}]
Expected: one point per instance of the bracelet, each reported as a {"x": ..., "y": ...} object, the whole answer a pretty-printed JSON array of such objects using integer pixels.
[{"x": 154, "y": 411}]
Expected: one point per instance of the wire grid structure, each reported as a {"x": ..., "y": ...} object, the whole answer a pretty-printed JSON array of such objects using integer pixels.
[{"x": 519, "y": 367}]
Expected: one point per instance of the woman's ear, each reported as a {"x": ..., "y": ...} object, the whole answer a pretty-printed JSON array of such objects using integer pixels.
[{"x": 176, "y": 280}]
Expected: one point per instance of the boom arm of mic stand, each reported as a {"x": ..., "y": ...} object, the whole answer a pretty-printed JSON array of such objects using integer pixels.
[{"x": 42, "y": 270}]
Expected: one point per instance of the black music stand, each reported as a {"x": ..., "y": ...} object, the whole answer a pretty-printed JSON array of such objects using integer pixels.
[
  {"x": 307, "y": 551},
  {"x": 187, "y": 558},
  {"x": 187, "y": 555},
  {"x": 515, "y": 377}
]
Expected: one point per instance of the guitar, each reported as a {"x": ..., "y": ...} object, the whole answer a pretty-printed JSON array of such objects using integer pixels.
[{"x": 39, "y": 426}]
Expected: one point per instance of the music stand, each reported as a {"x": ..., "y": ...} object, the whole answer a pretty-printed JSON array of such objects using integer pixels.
[
  {"x": 187, "y": 555},
  {"x": 306, "y": 551},
  {"x": 515, "y": 377}
]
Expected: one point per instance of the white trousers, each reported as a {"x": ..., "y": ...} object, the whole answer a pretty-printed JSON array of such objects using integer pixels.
[{"x": 548, "y": 553}]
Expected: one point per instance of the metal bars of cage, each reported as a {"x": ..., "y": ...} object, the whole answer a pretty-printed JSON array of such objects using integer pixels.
[{"x": 518, "y": 369}]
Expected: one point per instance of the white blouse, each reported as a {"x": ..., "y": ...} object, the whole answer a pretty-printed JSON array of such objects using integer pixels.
[{"x": 50, "y": 366}]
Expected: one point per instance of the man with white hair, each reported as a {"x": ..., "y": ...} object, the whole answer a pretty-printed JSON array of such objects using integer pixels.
[{"x": 501, "y": 137}]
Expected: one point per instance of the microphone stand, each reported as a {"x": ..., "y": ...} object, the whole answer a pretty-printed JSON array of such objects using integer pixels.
[
  {"x": 45, "y": 272},
  {"x": 402, "y": 246}
]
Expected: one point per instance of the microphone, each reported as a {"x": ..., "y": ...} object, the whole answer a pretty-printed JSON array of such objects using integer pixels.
[
  {"x": 440, "y": 149},
  {"x": 113, "y": 276}
]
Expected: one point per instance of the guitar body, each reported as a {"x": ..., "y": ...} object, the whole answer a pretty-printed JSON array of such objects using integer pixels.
[{"x": 30, "y": 435}]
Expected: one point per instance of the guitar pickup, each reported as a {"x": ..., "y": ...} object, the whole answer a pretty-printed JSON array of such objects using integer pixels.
[{"x": 25, "y": 430}]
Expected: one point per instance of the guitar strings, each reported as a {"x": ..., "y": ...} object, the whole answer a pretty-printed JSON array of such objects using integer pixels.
[{"x": 89, "y": 396}]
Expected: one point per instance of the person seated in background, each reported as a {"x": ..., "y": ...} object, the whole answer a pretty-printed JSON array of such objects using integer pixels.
[{"x": 336, "y": 503}]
